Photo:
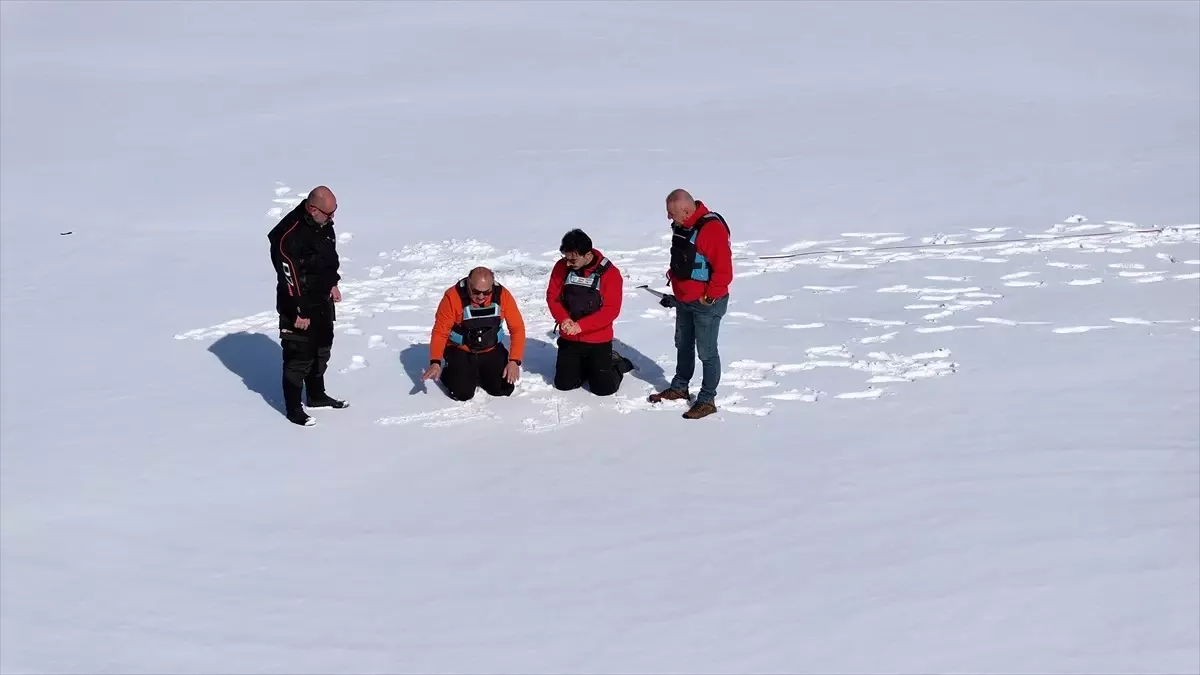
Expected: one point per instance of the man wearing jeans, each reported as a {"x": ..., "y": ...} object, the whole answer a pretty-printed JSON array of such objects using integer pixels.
[{"x": 700, "y": 273}]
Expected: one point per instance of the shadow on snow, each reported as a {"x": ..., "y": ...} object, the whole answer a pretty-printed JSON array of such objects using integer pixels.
[{"x": 258, "y": 360}]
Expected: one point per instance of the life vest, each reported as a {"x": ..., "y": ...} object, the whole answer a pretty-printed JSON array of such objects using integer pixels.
[
  {"x": 480, "y": 328},
  {"x": 580, "y": 294},
  {"x": 686, "y": 261}
]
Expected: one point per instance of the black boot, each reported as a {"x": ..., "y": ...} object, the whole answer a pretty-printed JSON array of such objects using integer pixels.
[
  {"x": 315, "y": 382},
  {"x": 326, "y": 401},
  {"x": 300, "y": 417},
  {"x": 291, "y": 404},
  {"x": 621, "y": 364}
]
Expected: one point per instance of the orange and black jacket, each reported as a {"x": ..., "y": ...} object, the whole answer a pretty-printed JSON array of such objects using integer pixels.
[{"x": 450, "y": 312}]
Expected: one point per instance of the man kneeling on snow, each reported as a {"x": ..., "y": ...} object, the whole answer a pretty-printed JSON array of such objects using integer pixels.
[
  {"x": 584, "y": 296},
  {"x": 467, "y": 332}
]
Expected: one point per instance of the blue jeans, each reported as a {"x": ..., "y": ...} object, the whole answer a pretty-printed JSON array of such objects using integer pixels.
[{"x": 696, "y": 328}]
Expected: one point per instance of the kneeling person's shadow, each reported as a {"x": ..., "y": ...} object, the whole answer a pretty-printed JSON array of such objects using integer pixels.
[{"x": 415, "y": 359}]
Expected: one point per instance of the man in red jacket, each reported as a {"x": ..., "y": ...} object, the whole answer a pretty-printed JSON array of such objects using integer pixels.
[
  {"x": 700, "y": 273},
  {"x": 584, "y": 296}
]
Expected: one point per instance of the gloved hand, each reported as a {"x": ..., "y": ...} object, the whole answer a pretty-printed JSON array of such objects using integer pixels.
[{"x": 667, "y": 301}]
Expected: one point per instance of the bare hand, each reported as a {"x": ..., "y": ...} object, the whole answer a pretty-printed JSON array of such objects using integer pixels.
[
  {"x": 569, "y": 327},
  {"x": 512, "y": 373},
  {"x": 432, "y": 371},
  {"x": 335, "y": 294},
  {"x": 302, "y": 323}
]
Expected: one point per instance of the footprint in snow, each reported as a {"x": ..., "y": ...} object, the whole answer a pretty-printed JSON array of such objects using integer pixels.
[
  {"x": 472, "y": 411},
  {"x": 867, "y": 394},
  {"x": 733, "y": 403},
  {"x": 943, "y": 329},
  {"x": 877, "y": 339},
  {"x": 805, "y": 396},
  {"x": 557, "y": 413},
  {"x": 828, "y": 289},
  {"x": 879, "y": 323},
  {"x": 356, "y": 363}
]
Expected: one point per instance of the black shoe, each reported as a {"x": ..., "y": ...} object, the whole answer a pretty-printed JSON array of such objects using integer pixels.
[
  {"x": 299, "y": 417},
  {"x": 326, "y": 402},
  {"x": 620, "y": 363}
]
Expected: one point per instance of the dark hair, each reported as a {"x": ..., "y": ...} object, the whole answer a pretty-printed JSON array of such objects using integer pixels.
[{"x": 576, "y": 241}]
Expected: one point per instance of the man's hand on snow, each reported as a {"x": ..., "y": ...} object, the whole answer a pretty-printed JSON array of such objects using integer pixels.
[
  {"x": 432, "y": 371},
  {"x": 512, "y": 373}
]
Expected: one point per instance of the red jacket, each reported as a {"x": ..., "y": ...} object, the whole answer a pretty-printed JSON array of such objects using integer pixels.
[
  {"x": 598, "y": 326},
  {"x": 713, "y": 243}
]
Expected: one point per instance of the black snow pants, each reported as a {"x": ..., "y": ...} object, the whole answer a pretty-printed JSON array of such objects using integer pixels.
[
  {"x": 305, "y": 359},
  {"x": 465, "y": 371},
  {"x": 580, "y": 362}
]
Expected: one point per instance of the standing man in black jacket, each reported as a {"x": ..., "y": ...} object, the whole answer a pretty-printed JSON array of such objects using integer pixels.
[{"x": 304, "y": 255}]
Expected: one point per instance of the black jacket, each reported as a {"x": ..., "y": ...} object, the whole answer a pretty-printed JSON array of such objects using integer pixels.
[{"x": 304, "y": 255}]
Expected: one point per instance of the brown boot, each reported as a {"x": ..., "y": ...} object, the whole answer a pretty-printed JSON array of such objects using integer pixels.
[
  {"x": 699, "y": 410},
  {"x": 668, "y": 394}
]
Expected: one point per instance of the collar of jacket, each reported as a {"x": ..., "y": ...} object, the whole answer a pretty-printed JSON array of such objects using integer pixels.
[
  {"x": 700, "y": 212},
  {"x": 597, "y": 256}
]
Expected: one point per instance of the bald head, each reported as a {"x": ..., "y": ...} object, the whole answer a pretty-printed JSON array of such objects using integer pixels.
[
  {"x": 679, "y": 195},
  {"x": 321, "y": 204},
  {"x": 479, "y": 285},
  {"x": 680, "y": 206},
  {"x": 480, "y": 276}
]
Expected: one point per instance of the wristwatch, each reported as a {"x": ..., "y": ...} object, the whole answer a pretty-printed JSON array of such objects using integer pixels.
[{"x": 516, "y": 361}]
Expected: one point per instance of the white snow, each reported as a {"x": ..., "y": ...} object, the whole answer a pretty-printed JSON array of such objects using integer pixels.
[{"x": 1003, "y": 487}]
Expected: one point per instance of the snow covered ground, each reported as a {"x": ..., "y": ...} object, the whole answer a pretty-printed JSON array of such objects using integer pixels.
[{"x": 955, "y": 435}]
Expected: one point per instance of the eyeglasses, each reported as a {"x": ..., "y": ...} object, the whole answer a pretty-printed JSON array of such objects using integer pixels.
[
  {"x": 327, "y": 214},
  {"x": 481, "y": 293}
]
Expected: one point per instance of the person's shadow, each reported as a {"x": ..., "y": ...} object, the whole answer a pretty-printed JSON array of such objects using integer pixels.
[
  {"x": 645, "y": 368},
  {"x": 415, "y": 359},
  {"x": 258, "y": 360}
]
